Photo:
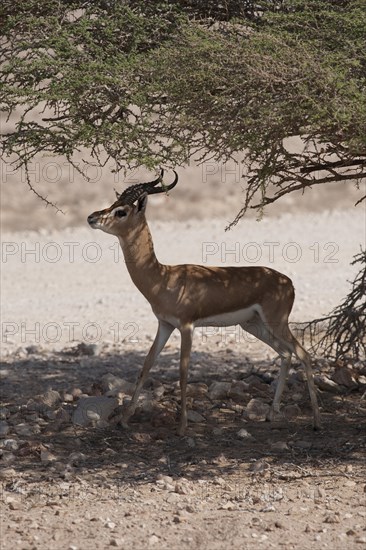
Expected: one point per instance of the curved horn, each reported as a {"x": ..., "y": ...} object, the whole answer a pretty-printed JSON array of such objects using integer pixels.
[
  {"x": 158, "y": 179},
  {"x": 165, "y": 188},
  {"x": 132, "y": 193}
]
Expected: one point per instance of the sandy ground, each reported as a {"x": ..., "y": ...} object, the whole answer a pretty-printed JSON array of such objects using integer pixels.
[{"x": 279, "y": 486}]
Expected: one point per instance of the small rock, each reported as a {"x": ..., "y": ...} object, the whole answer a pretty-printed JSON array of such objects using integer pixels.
[
  {"x": 14, "y": 503},
  {"x": 49, "y": 414},
  {"x": 92, "y": 409},
  {"x": 50, "y": 398},
  {"x": 228, "y": 506},
  {"x": 4, "y": 428},
  {"x": 159, "y": 392},
  {"x": 279, "y": 446},
  {"x": 191, "y": 442},
  {"x": 259, "y": 466},
  {"x": 239, "y": 390},
  {"x": 4, "y": 414},
  {"x": 173, "y": 498},
  {"x": 291, "y": 411},
  {"x": 68, "y": 398},
  {"x": 197, "y": 389},
  {"x": 219, "y": 390},
  {"x": 21, "y": 352},
  {"x": 268, "y": 508},
  {"x": 195, "y": 417},
  {"x": 116, "y": 542},
  {"x": 219, "y": 481},
  {"x": 7, "y": 473},
  {"x": 32, "y": 350},
  {"x": 153, "y": 540},
  {"x": 85, "y": 349},
  {"x": 145, "y": 403},
  {"x": 110, "y": 525},
  {"x": 47, "y": 456},
  {"x": 23, "y": 430},
  {"x": 349, "y": 483},
  {"x": 257, "y": 410},
  {"x": 32, "y": 416},
  {"x": 345, "y": 377},
  {"x": 244, "y": 434},
  {"x": 76, "y": 457},
  {"x": 59, "y": 467},
  {"x": 334, "y": 518},
  {"x": 63, "y": 416},
  {"x": 320, "y": 492},
  {"x": 360, "y": 540},
  {"x": 7, "y": 457},
  {"x": 279, "y": 525},
  {"x": 182, "y": 488},
  {"x": 326, "y": 384},
  {"x": 113, "y": 384},
  {"x": 11, "y": 444},
  {"x": 164, "y": 478}
]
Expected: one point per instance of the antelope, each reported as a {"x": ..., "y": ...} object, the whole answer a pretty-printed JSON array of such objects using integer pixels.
[{"x": 186, "y": 296}]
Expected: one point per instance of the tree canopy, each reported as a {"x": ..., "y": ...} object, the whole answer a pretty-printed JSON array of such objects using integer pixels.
[{"x": 161, "y": 82}]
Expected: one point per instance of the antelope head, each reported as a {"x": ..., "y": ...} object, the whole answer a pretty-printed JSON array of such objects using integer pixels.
[{"x": 128, "y": 211}]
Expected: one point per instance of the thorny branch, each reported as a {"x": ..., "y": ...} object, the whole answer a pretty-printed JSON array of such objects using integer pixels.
[{"x": 344, "y": 329}]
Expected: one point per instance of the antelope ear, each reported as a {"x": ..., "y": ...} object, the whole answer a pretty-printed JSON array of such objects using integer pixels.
[{"x": 142, "y": 202}]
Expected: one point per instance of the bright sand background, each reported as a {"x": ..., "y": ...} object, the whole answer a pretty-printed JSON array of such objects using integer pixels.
[{"x": 62, "y": 281}]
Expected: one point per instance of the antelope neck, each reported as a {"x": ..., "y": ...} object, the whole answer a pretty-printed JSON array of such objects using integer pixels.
[{"x": 142, "y": 264}]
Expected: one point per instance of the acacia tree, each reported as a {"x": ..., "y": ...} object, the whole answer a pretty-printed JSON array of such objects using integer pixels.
[{"x": 157, "y": 83}]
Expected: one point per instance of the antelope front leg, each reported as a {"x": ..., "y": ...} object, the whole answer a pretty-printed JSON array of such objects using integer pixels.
[
  {"x": 285, "y": 366},
  {"x": 185, "y": 354},
  {"x": 161, "y": 338}
]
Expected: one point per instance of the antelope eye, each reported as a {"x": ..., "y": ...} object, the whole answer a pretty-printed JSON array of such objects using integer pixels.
[{"x": 120, "y": 214}]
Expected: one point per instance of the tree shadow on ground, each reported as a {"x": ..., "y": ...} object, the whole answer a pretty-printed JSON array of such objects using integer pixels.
[{"x": 112, "y": 455}]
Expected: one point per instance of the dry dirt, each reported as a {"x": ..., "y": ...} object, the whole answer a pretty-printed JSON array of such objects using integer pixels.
[{"x": 232, "y": 482}]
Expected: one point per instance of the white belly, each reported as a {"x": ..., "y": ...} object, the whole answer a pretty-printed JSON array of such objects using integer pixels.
[
  {"x": 221, "y": 320},
  {"x": 231, "y": 318}
]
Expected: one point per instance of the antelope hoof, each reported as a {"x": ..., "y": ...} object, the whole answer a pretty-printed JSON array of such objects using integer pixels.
[
  {"x": 317, "y": 426},
  {"x": 125, "y": 417},
  {"x": 275, "y": 415},
  {"x": 182, "y": 429},
  {"x": 121, "y": 416},
  {"x": 119, "y": 420},
  {"x": 124, "y": 423}
]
